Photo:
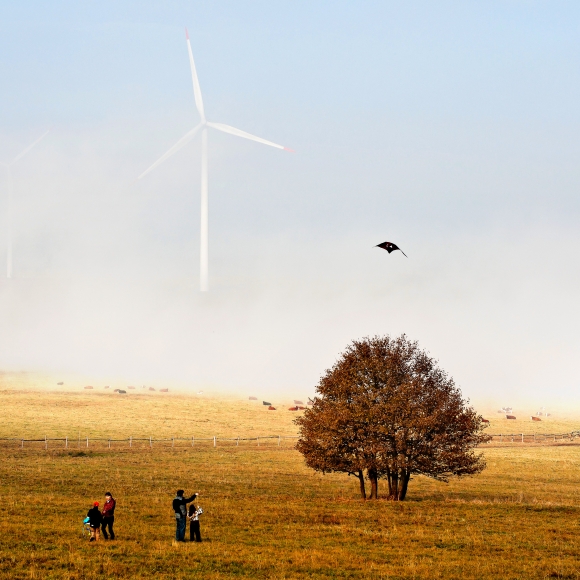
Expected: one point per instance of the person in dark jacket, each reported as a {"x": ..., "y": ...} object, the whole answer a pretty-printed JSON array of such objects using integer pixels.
[
  {"x": 95, "y": 520},
  {"x": 180, "y": 509},
  {"x": 109, "y": 515}
]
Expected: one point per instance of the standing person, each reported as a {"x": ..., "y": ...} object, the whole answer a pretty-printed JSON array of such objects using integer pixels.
[
  {"x": 193, "y": 517},
  {"x": 180, "y": 509},
  {"x": 109, "y": 515},
  {"x": 95, "y": 520}
]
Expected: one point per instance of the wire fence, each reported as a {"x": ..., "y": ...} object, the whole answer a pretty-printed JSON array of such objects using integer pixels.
[
  {"x": 542, "y": 438},
  {"x": 88, "y": 442}
]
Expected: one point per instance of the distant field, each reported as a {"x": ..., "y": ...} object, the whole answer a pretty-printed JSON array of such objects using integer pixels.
[{"x": 266, "y": 515}]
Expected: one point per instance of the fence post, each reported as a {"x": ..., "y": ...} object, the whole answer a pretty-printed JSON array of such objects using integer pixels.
[
  {"x": 258, "y": 440},
  {"x": 87, "y": 442},
  {"x": 45, "y": 443},
  {"x": 500, "y": 439},
  {"x": 522, "y": 437},
  {"x": 66, "y": 442},
  {"x": 172, "y": 442},
  {"x": 278, "y": 440},
  {"x": 150, "y": 443},
  {"x": 214, "y": 444},
  {"x": 192, "y": 441},
  {"x": 109, "y": 443},
  {"x": 22, "y": 444},
  {"x": 238, "y": 441},
  {"x": 130, "y": 440}
]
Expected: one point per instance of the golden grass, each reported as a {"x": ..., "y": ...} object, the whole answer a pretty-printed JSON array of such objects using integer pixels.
[{"x": 266, "y": 514}]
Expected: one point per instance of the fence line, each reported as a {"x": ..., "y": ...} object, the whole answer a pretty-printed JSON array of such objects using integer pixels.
[
  {"x": 533, "y": 438},
  {"x": 86, "y": 441},
  {"x": 213, "y": 441}
]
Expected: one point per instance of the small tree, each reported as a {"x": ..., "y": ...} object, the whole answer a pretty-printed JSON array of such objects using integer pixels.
[{"x": 387, "y": 408}]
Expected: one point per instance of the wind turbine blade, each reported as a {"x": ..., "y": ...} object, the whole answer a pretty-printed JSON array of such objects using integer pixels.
[
  {"x": 181, "y": 143},
  {"x": 21, "y": 155},
  {"x": 239, "y": 133},
  {"x": 196, "y": 87}
]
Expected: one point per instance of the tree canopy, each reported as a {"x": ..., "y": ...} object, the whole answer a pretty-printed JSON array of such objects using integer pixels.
[{"x": 387, "y": 408}]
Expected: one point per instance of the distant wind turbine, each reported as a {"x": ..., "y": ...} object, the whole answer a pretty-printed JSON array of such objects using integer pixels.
[
  {"x": 203, "y": 125},
  {"x": 10, "y": 194}
]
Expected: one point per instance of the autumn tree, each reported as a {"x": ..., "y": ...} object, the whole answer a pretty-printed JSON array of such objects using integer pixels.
[{"x": 387, "y": 409}]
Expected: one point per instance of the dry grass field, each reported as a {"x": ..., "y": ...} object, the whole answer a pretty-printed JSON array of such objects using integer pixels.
[{"x": 266, "y": 515}]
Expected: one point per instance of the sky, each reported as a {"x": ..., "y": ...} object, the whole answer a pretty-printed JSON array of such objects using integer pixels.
[{"x": 448, "y": 128}]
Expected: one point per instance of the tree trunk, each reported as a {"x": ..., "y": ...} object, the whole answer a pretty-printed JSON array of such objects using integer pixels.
[
  {"x": 390, "y": 483},
  {"x": 372, "y": 475},
  {"x": 394, "y": 486},
  {"x": 361, "y": 478},
  {"x": 405, "y": 484}
]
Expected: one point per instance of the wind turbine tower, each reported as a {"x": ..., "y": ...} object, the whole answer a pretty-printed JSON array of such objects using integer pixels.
[
  {"x": 203, "y": 127},
  {"x": 9, "y": 204}
]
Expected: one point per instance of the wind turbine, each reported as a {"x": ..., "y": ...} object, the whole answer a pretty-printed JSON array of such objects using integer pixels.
[
  {"x": 203, "y": 126},
  {"x": 10, "y": 194}
]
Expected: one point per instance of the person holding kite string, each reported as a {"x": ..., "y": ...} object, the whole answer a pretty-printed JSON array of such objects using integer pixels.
[{"x": 180, "y": 509}]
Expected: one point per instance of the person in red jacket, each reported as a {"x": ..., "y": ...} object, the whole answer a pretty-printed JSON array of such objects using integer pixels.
[{"x": 108, "y": 516}]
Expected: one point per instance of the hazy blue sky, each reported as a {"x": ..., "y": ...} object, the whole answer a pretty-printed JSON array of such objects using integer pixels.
[{"x": 449, "y": 128}]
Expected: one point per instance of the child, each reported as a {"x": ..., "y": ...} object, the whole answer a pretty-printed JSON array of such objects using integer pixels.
[
  {"x": 95, "y": 520},
  {"x": 193, "y": 517}
]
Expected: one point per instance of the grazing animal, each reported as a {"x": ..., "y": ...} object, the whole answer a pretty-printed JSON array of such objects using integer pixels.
[
  {"x": 292, "y": 408},
  {"x": 116, "y": 391},
  {"x": 60, "y": 383},
  {"x": 270, "y": 408},
  {"x": 296, "y": 402},
  {"x": 121, "y": 392},
  {"x": 301, "y": 408},
  {"x": 253, "y": 398},
  {"x": 536, "y": 419},
  {"x": 266, "y": 403},
  {"x": 510, "y": 416},
  {"x": 105, "y": 387},
  {"x": 130, "y": 387},
  {"x": 485, "y": 420},
  {"x": 164, "y": 390},
  {"x": 89, "y": 387},
  {"x": 151, "y": 389}
]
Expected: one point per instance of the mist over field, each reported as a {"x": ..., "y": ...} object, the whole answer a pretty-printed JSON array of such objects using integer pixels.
[{"x": 450, "y": 132}]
